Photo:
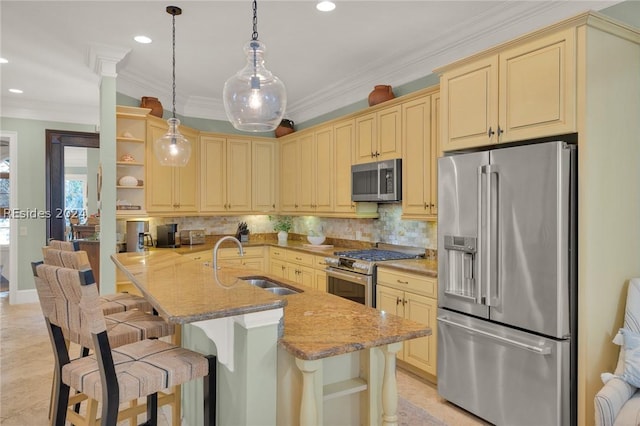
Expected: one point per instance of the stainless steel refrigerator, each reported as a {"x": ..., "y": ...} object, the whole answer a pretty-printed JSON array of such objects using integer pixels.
[{"x": 507, "y": 283}]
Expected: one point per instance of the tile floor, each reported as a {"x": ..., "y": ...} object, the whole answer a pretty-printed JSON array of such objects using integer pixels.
[{"x": 26, "y": 364}]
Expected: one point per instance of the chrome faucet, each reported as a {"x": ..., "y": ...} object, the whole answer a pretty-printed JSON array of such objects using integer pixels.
[{"x": 215, "y": 249}]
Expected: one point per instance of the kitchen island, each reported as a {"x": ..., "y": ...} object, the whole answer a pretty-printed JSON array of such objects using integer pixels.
[{"x": 282, "y": 357}]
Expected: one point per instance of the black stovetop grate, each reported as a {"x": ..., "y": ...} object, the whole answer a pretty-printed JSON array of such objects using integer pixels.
[{"x": 375, "y": 255}]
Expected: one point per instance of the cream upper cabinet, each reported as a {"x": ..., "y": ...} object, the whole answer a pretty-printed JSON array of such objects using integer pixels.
[
  {"x": 226, "y": 174},
  {"x": 264, "y": 163},
  {"x": 343, "y": 134},
  {"x": 324, "y": 170},
  {"x": 378, "y": 135},
  {"x": 525, "y": 91},
  {"x": 171, "y": 189},
  {"x": 306, "y": 172},
  {"x": 417, "y": 199},
  {"x": 435, "y": 150},
  {"x": 289, "y": 179}
]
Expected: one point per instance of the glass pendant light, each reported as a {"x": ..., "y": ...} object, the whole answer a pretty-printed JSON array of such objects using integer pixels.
[
  {"x": 173, "y": 149},
  {"x": 254, "y": 98}
]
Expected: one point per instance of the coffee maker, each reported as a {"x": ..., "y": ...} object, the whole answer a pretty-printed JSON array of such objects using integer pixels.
[
  {"x": 166, "y": 236},
  {"x": 137, "y": 235}
]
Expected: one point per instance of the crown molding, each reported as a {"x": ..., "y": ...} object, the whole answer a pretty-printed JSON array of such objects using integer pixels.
[
  {"x": 102, "y": 59},
  {"x": 58, "y": 112}
]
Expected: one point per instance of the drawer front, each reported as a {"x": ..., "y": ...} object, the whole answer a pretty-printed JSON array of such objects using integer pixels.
[
  {"x": 277, "y": 253},
  {"x": 319, "y": 262},
  {"x": 419, "y": 284},
  {"x": 232, "y": 252},
  {"x": 300, "y": 258}
]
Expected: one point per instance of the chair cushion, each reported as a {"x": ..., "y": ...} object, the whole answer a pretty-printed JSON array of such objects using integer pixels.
[{"x": 142, "y": 368}]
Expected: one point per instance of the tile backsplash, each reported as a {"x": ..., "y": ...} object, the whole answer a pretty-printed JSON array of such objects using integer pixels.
[{"x": 388, "y": 228}]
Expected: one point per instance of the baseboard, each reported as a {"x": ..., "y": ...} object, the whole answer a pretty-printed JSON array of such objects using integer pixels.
[{"x": 24, "y": 296}]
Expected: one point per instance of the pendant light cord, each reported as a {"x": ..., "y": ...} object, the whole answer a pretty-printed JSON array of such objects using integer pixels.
[
  {"x": 254, "y": 36},
  {"x": 173, "y": 45}
]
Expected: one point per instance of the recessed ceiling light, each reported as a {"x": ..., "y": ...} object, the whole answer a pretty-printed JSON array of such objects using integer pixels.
[
  {"x": 15, "y": 91},
  {"x": 325, "y": 6},
  {"x": 3, "y": 61},
  {"x": 142, "y": 39}
]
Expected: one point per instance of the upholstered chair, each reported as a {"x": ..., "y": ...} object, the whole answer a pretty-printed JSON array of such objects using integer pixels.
[
  {"x": 618, "y": 402},
  {"x": 71, "y": 306}
]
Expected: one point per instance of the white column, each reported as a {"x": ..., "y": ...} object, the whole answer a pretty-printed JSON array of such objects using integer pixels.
[
  {"x": 390, "y": 385},
  {"x": 308, "y": 407},
  {"x": 103, "y": 60}
]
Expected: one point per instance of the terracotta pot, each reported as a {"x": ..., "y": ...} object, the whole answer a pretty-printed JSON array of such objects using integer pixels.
[
  {"x": 284, "y": 128},
  {"x": 153, "y": 103},
  {"x": 380, "y": 93}
]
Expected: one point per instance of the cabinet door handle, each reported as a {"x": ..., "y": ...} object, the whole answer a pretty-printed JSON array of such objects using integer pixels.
[
  {"x": 273, "y": 206},
  {"x": 372, "y": 154},
  {"x": 500, "y": 131},
  {"x": 404, "y": 302},
  {"x": 398, "y": 300},
  {"x": 425, "y": 205},
  {"x": 298, "y": 258},
  {"x": 403, "y": 282},
  {"x": 432, "y": 205},
  {"x": 490, "y": 132},
  {"x": 377, "y": 154}
]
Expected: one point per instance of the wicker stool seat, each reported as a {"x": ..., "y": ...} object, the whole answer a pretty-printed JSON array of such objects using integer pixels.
[{"x": 141, "y": 369}]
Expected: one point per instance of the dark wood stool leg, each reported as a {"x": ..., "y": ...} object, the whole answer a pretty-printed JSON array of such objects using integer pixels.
[{"x": 209, "y": 383}]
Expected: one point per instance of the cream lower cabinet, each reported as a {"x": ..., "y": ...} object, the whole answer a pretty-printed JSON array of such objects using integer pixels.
[
  {"x": 413, "y": 297},
  {"x": 226, "y": 174},
  {"x": 253, "y": 258},
  {"x": 171, "y": 189},
  {"x": 526, "y": 91},
  {"x": 302, "y": 268}
]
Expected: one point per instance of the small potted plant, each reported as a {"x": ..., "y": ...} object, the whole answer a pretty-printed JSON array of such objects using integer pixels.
[{"x": 282, "y": 225}]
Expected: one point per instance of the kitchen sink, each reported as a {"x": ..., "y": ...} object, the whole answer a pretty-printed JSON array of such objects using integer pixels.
[
  {"x": 281, "y": 291},
  {"x": 269, "y": 285}
]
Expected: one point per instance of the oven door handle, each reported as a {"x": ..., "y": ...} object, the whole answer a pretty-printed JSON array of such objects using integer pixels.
[{"x": 352, "y": 278}]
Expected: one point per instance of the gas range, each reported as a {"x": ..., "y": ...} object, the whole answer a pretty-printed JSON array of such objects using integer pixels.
[{"x": 364, "y": 261}]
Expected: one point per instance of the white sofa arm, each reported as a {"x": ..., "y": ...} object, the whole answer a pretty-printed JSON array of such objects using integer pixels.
[{"x": 610, "y": 399}]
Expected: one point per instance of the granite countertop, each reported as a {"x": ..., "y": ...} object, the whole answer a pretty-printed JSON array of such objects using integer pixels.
[
  {"x": 316, "y": 324},
  {"x": 427, "y": 267},
  {"x": 184, "y": 290}
]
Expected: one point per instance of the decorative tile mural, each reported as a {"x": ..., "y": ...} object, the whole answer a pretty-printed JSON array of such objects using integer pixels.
[{"x": 388, "y": 228}]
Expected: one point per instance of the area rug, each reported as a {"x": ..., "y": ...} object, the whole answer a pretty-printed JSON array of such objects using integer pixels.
[{"x": 411, "y": 415}]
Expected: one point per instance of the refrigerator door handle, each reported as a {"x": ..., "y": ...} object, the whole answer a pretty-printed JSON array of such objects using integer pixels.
[
  {"x": 493, "y": 292},
  {"x": 540, "y": 350},
  {"x": 480, "y": 282}
]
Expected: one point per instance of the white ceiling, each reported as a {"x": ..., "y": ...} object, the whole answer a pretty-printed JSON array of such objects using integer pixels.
[{"x": 326, "y": 60}]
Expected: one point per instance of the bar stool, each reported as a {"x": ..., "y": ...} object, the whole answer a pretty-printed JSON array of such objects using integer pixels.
[
  {"x": 71, "y": 307},
  {"x": 122, "y": 328},
  {"x": 111, "y": 303}
]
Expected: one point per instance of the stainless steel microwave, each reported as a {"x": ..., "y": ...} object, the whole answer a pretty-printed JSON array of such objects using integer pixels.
[{"x": 380, "y": 181}]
